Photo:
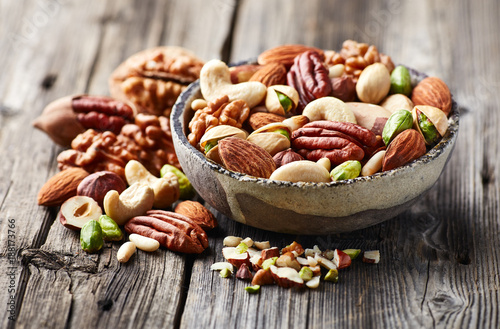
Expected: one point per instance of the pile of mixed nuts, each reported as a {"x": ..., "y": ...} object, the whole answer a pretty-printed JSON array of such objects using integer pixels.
[
  {"x": 121, "y": 169},
  {"x": 304, "y": 114},
  {"x": 293, "y": 266}
]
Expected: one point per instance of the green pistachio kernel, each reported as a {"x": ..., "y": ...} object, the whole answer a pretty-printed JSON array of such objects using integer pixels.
[
  {"x": 225, "y": 273},
  {"x": 346, "y": 170},
  {"x": 253, "y": 289},
  {"x": 306, "y": 273},
  {"x": 210, "y": 145},
  {"x": 399, "y": 121},
  {"x": 428, "y": 129},
  {"x": 185, "y": 187},
  {"x": 285, "y": 101},
  {"x": 241, "y": 248},
  {"x": 91, "y": 237},
  {"x": 353, "y": 253},
  {"x": 332, "y": 275},
  {"x": 110, "y": 230},
  {"x": 400, "y": 81},
  {"x": 284, "y": 132},
  {"x": 269, "y": 262}
]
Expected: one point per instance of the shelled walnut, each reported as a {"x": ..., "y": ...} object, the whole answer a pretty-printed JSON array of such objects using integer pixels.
[{"x": 148, "y": 141}]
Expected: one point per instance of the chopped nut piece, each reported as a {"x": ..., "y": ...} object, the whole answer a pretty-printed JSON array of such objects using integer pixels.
[
  {"x": 288, "y": 260},
  {"x": 313, "y": 283},
  {"x": 248, "y": 242},
  {"x": 241, "y": 248},
  {"x": 269, "y": 262},
  {"x": 221, "y": 265},
  {"x": 262, "y": 277},
  {"x": 306, "y": 273},
  {"x": 341, "y": 259},
  {"x": 270, "y": 253},
  {"x": 353, "y": 253},
  {"x": 253, "y": 289},
  {"x": 225, "y": 273},
  {"x": 332, "y": 275},
  {"x": 231, "y": 241},
  {"x": 293, "y": 247},
  {"x": 244, "y": 273},
  {"x": 262, "y": 245},
  {"x": 328, "y": 264},
  {"x": 372, "y": 256}
]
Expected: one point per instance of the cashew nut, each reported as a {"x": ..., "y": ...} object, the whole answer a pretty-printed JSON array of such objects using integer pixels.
[
  {"x": 329, "y": 108},
  {"x": 166, "y": 189},
  {"x": 134, "y": 201},
  {"x": 302, "y": 171},
  {"x": 215, "y": 82}
]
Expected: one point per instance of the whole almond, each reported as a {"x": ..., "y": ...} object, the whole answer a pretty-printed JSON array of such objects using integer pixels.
[
  {"x": 260, "y": 119},
  {"x": 245, "y": 157},
  {"x": 405, "y": 147},
  {"x": 285, "y": 54},
  {"x": 270, "y": 74},
  {"x": 198, "y": 213},
  {"x": 434, "y": 92},
  {"x": 61, "y": 187}
]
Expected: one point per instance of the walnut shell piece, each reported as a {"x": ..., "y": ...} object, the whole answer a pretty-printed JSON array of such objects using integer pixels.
[
  {"x": 153, "y": 78},
  {"x": 245, "y": 157}
]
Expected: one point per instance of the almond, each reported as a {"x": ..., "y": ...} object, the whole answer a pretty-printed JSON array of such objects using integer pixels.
[
  {"x": 260, "y": 119},
  {"x": 198, "y": 213},
  {"x": 434, "y": 92},
  {"x": 285, "y": 54},
  {"x": 271, "y": 74},
  {"x": 245, "y": 157},
  {"x": 405, "y": 147},
  {"x": 61, "y": 187},
  {"x": 243, "y": 73}
]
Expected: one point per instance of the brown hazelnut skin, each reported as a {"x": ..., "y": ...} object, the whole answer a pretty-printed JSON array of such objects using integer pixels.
[
  {"x": 96, "y": 185},
  {"x": 344, "y": 88},
  {"x": 286, "y": 156}
]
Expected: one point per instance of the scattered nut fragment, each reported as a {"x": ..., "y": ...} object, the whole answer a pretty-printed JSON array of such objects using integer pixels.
[
  {"x": 231, "y": 241},
  {"x": 262, "y": 278},
  {"x": 372, "y": 256},
  {"x": 262, "y": 244},
  {"x": 332, "y": 275},
  {"x": 313, "y": 283},
  {"x": 222, "y": 265},
  {"x": 248, "y": 241},
  {"x": 144, "y": 243},
  {"x": 244, "y": 273},
  {"x": 253, "y": 289},
  {"x": 125, "y": 252}
]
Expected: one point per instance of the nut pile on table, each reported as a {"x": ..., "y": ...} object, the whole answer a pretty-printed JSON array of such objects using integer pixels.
[
  {"x": 307, "y": 115},
  {"x": 121, "y": 169},
  {"x": 290, "y": 267}
]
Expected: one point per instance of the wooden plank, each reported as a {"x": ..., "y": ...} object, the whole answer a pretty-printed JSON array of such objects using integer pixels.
[
  {"x": 439, "y": 259},
  {"x": 65, "y": 287}
]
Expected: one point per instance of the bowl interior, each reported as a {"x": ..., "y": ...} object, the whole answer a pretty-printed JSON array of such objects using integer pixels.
[{"x": 308, "y": 208}]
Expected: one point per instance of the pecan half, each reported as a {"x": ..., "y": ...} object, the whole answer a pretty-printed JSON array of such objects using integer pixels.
[
  {"x": 309, "y": 76},
  {"x": 173, "y": 231},
  {"x": 65, "y": 118},
  {"x": 337, "y": 141}
]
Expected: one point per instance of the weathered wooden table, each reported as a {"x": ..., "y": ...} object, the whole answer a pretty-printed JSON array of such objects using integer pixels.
[{"x": 440, "y": 260}]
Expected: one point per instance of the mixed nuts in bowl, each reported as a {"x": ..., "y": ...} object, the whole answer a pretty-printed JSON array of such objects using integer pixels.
[{"x": 347, "y": 149}]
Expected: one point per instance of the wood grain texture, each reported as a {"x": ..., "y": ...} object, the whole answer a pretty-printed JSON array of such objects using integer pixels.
[
  {"x": 440, "y": 259},
  {"x": 72, "y": 49}
]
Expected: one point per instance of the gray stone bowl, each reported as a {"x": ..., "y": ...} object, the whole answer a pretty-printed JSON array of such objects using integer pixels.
[{"x": 308, "y": 208}]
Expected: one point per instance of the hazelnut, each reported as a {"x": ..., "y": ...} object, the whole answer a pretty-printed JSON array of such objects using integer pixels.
[
  {"x": 96, "y": 185},
  {"x": 344, "y": 88}
]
